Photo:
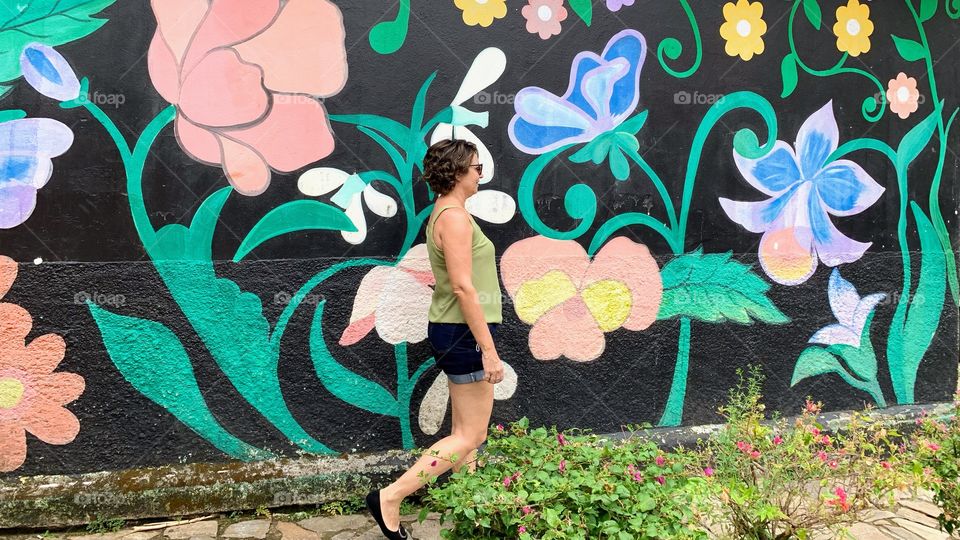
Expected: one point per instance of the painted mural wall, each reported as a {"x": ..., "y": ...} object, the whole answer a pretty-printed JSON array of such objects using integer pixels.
[{"x": 211, "y": 215}]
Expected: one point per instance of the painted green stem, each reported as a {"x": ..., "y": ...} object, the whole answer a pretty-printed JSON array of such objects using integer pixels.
[
  {"x": 404, "y": 390},
  {"x": 673, "y": 411},
  {"x": 672, "y": 48}
]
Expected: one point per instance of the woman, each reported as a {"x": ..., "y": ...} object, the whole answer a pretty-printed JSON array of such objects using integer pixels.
[{"x": 464, "y": 313}]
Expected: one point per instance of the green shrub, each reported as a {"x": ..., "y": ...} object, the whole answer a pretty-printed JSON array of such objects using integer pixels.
[
  {"x": 936, "y": 446},
  {"x": 777, "y": 480},
  {"x": 545, "y": 484}
]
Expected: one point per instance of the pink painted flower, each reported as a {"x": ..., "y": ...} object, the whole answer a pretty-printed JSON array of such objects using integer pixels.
[
  {"x": 903, "y": 95},
  {"x": 544, "y": 17},
  {"x": 395, "y": 300},
  {"x": 247, "y": 79},
  {"x": 708, "y": 471},
  {"x": 660, "y": 461},
  {"x": 32, "y": 395},
  {"x": 572, "y": 301}
]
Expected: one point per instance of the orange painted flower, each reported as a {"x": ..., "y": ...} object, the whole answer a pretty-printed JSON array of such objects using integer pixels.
[
  {"x": 572, "y": 301},
  {"x": 245, "y": 77},
  {"x": 32, "y": 397},
  {"x": 853, "y": 28},
  {"x": 903, "y": 95}
]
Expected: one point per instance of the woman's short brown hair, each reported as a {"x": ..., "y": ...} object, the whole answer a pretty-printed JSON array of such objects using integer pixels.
[{"x": 445, "y": 161}]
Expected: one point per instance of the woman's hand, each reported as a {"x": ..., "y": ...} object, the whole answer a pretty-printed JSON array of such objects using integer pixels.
[{"x": 492, "y": 367}]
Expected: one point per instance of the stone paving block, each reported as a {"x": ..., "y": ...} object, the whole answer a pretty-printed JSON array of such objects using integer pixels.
[
  {"x": 927, "y": 533},
  {"x": 292, "y": 531},
  {"x": 864, "y": 531},
  {"x": 874, "y": 515},
  {"x": 184, "y": 532},
  {"x": 256, "y": 528},
  {"x": 335, "y": 523},
  {"x": 899, "y": 533},
  {"x": 142, "y": 535},
  {"x": 925, "y": 507},
  {"x": 202, "y": 538},
  {"x": 917, "y": 517},
  {"x": 428, "y": 530}
]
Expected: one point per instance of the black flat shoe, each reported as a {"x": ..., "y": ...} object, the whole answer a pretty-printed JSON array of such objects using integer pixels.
[{"x": 373, "y": 504}]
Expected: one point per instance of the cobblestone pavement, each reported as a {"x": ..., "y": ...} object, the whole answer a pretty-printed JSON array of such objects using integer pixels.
[{"x": 914, "y": 518}]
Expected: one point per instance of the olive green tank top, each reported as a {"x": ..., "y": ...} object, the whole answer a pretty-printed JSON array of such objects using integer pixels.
[{"x": 444, "y": 306}]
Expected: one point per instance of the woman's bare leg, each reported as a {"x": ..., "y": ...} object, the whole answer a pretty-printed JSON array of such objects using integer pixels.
[{"x": 472, "y": 405}]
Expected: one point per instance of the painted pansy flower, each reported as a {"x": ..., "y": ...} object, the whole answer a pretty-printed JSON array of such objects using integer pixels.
[
  {"x": 352, "y": 193},
  {"x": 487, "y": 68},
  {"x": 48, "y": 72},
  {"x": 32, "y": 395},
  {"x": 903, "y": 95},
  {"x": 743, "y": 28},
  {"x": 394, "y": 300},
  {"x": 433, "y": 408},
  {"x": 851, "y": 312},
  {"x": 853, "y": 28},
  {"x": 571, "y": 300},
  {"x": 27, "y": 146},
  {"x": 602, "y": 93},
  {"x": 804, "y": 190}
]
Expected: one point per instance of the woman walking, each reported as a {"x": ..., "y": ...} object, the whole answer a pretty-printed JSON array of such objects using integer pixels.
[{"x": 464, "y": 313}]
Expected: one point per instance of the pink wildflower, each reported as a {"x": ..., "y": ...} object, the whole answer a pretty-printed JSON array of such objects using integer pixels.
[
  {"x": 755, "y": 454},
  {"x": 742, "y": 446},
  {"x": 563, "y": 465},
  {"x": 708, "y": 471},
  {"x": 841, "y": 500},
  {"x": 661, "y": 480},
  {"x": 933, "y": 446},
  {"x": 812, "y": 407},
  {"x": 521, "y": 529},
  {"x": 507, "y": 480},
  {"x": 778, "y": 440},
  {"x": 561, "y": 439},
  {"x": 885, "y": 464},
  {"x": 527, "y": 510},
  {"x": 822, "y": 455},
  {"x": 825, "y": 440},
  {"x": 660, "y": 461},
  {"x": 815, "y": 431},
  {"x": 833, "y": 464}
]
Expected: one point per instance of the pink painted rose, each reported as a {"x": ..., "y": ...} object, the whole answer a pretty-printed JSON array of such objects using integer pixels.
[
  {"x": 32, "y": 396},
  {"x": 245, "y": 76},
  {"x": 571, "y": 301}
]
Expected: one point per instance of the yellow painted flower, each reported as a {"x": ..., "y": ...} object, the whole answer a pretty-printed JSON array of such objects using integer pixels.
[
  {"x": 481, "y": 12},
  {"x": 744, "y": 28},
  {"x": 853, "y": 28}
]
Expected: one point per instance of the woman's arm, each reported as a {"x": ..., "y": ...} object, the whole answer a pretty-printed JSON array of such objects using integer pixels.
[{"x": 456, "y": 237}]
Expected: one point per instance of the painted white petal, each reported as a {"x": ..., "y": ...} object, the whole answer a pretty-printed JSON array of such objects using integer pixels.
[
  {"x": 368, "y": 293},
  {"x": 486, "y": 69},
  {"x": 491, "y": 205},
  {"x": 864, "y": 308},
  {"x": 843, "y": 298},
  {"x": 505, "y": 388},
  {"x": 320, "y": 181},
  {"x": 378, "y": 203},
  {"x": 402, "y": 308},
  {"x": 354, "y": 211},
  {"x": 835, "y": 334},
  {"x": 446, "y": 131},
  {"x": 434, "y": 405},
  {"x": 416, "y": 260}
]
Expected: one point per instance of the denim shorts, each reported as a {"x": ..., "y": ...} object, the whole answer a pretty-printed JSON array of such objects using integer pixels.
[{"x": 457, "y": 351}]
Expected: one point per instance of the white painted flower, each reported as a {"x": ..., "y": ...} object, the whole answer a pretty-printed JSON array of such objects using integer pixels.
[
  {"x": 850, "y": 310},
  {"x": 489, "y": 205},
  {"x": 353, "y": 192},
  {"x": 433, "y": 408}
]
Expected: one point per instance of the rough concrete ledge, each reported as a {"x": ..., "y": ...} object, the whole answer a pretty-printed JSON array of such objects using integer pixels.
[{"x": 200, "y": 488}]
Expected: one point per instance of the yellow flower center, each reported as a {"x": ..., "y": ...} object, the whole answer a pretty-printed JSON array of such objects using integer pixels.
[
  {"x": 544, "y": 13},
  {"x": 903, "y": 94},
  {"x": 609, "y": 302},
  {"x": 853, "y": 27},
  {"x": 11, "y": 392},
  {"x": 538, "y": 296},
  {"x": 743, "y": 27}
]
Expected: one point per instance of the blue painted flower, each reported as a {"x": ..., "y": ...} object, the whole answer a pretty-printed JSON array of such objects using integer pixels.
[
  {"x": 603, "y": 91},
  {"x": 804, "y": 190},
  {"x": 851, "y": 312},
  {"x": 26, "y": 148},
  {"x": 48, "y": 72}
]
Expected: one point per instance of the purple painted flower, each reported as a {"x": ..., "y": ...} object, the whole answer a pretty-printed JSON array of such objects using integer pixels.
[
  {"x": 48, "y": 72},
  {"x": 804, "y": 190},
  {"x": 26, "y": 148},
  {"x": 851, "y": 312},
  {"x": 615, "y": 5},
  {"x": 603, "y": 91}
]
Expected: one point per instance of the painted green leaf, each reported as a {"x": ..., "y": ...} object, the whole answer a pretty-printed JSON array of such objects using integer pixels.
[
  {"x": 788, "y": 72},
  {"x": 916, "y": 140},
  {"x": 152, "y": 360},
  {"x": 815, "y": 361},
  {"x": 12, "y": 114},
  {"x": 910, "y": 50},
  {"x": 51, "y": 22},
  {"x": 715, "y": 288},
  {"x": 388, "y": 36},
  {"x": 302, "y": 215},
  {"x": 811, "y": 8},
  {"x": 861, "y": 360},
  {"x": 583, "y": 9},
  {"x": 928, "y": 8},
  {"x": 343, "y": 383}
]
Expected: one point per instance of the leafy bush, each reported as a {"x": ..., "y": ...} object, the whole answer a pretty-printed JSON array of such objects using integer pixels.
[
  {"x": 936, "y": 462},
  {"x": 546, "y": 484},
  {"x": 778, "y": 480}
]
